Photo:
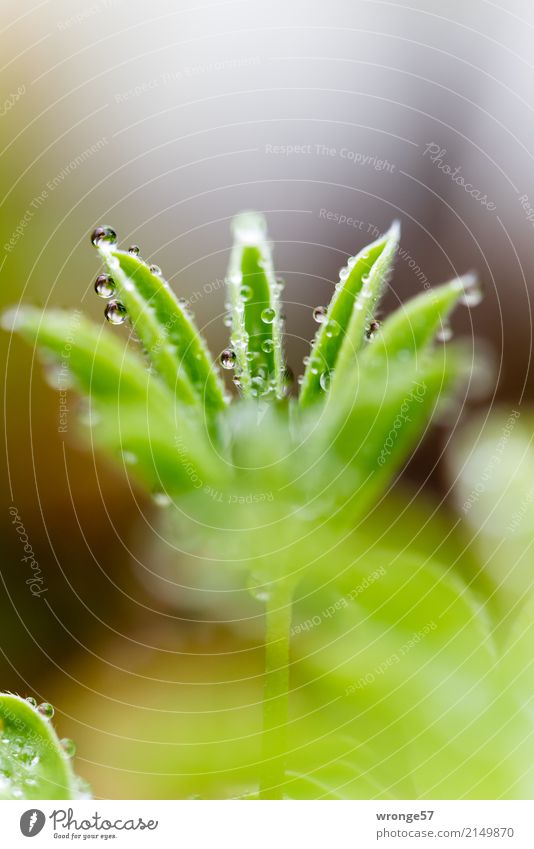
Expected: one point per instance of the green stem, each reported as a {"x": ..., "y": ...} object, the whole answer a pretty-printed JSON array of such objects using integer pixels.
[{"x": 276, "y": 686}]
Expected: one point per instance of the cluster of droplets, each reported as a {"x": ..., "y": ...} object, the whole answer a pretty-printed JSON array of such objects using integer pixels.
[
  {"x": 331, "y": 328},
  {"x": 115, "y": 312},
  {"x": 260, "y": 380}
]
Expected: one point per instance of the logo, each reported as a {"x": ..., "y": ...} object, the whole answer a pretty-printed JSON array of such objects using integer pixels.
[{"x": 32, "y": 822}]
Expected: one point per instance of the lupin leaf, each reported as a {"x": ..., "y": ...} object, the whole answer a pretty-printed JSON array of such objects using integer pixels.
[
  {"x": 414, "y": 324},
  {"x": 133, "y": 413},
  {"x": 97, "y": 361},
  {"x": 255, "y": 304},
  {"x": 33, "y": 763},
  {"x": 171, "y": 341},
  {"x": 364, "y": 309},
  {"x": 364, "y": 274}
]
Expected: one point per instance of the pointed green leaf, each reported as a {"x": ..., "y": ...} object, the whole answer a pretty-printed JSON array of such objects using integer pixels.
[
  {"x": 171, "y": 341},
  {"x": 335, "y": 324},
  {"x": 373, "y": 285},
  {"x": 134, "y": 415},
  {"x": 33, "y": 763},
  {"x": 415, "y": 324},
  {"x": 255, "y": 302},
  {"x": 97, "y": 361}
]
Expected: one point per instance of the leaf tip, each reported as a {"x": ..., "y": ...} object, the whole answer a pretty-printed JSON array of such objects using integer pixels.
[{"x": 249, "y": 228}]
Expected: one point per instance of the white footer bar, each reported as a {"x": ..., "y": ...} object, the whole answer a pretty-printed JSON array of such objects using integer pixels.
[{"x": 268, "y": 825}]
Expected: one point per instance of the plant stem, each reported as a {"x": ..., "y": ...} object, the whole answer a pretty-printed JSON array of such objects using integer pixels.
[{"x": 276, "y": 685}]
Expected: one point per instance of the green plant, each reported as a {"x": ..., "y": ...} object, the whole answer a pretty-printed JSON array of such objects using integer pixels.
[{"x": 277, "y": 484}]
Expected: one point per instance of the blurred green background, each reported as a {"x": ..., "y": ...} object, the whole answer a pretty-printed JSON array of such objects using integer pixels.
[{"x": 165, "y": 122}]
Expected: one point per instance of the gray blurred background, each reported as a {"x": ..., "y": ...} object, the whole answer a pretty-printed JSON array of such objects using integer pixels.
[{"x": 164, "y": 119}]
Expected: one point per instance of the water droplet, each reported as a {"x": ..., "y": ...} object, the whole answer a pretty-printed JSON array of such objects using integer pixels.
[
  {"x": 332, "y": 329},
  {"x": 104, "y": 236},
  {"x": 155, "y": 269},
  {"x": 134, "y": 250},
  {"x": 129, "y": 458},
  {"x": 227, "y": 320},
  {"x": 325, "y": 380},
  {"x": 161, "y": 499},
  {"x": 228, "y": 358},
  {"x": 257, "y": 386},
  {"x": 246, "y": 293},
  {"x": 104, "y": 286},
  {"x": 31, "y": 701},
  {"x": 68, "y": 746},
  {"x": 259, "y": 591},
  {"x": 319, "y": 314},
  {"x": 444, "y": 333},
  {"x": 472, "y": 290},
  {"x": 268, "y": 315},
  {"x": 344, "y": 273},
  {"x": 374, "y": 326},
  {"x": 46, "y": 710},
  {"x": 115, "y": 312}
]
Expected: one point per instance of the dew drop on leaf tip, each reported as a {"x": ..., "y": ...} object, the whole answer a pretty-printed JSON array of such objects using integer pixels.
[
  {"x": 115, "y": 312},
  {"x": 155, "y": 269},
  {"x": 31, "y": 701},
  {"x": 103, "y": 236},
  {"x": 472, "y": 292},
  {"x": 134, "y": 250}
]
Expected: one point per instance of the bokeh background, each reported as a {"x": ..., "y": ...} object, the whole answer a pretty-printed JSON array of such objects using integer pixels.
[{"x": 164, "y": 120}]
